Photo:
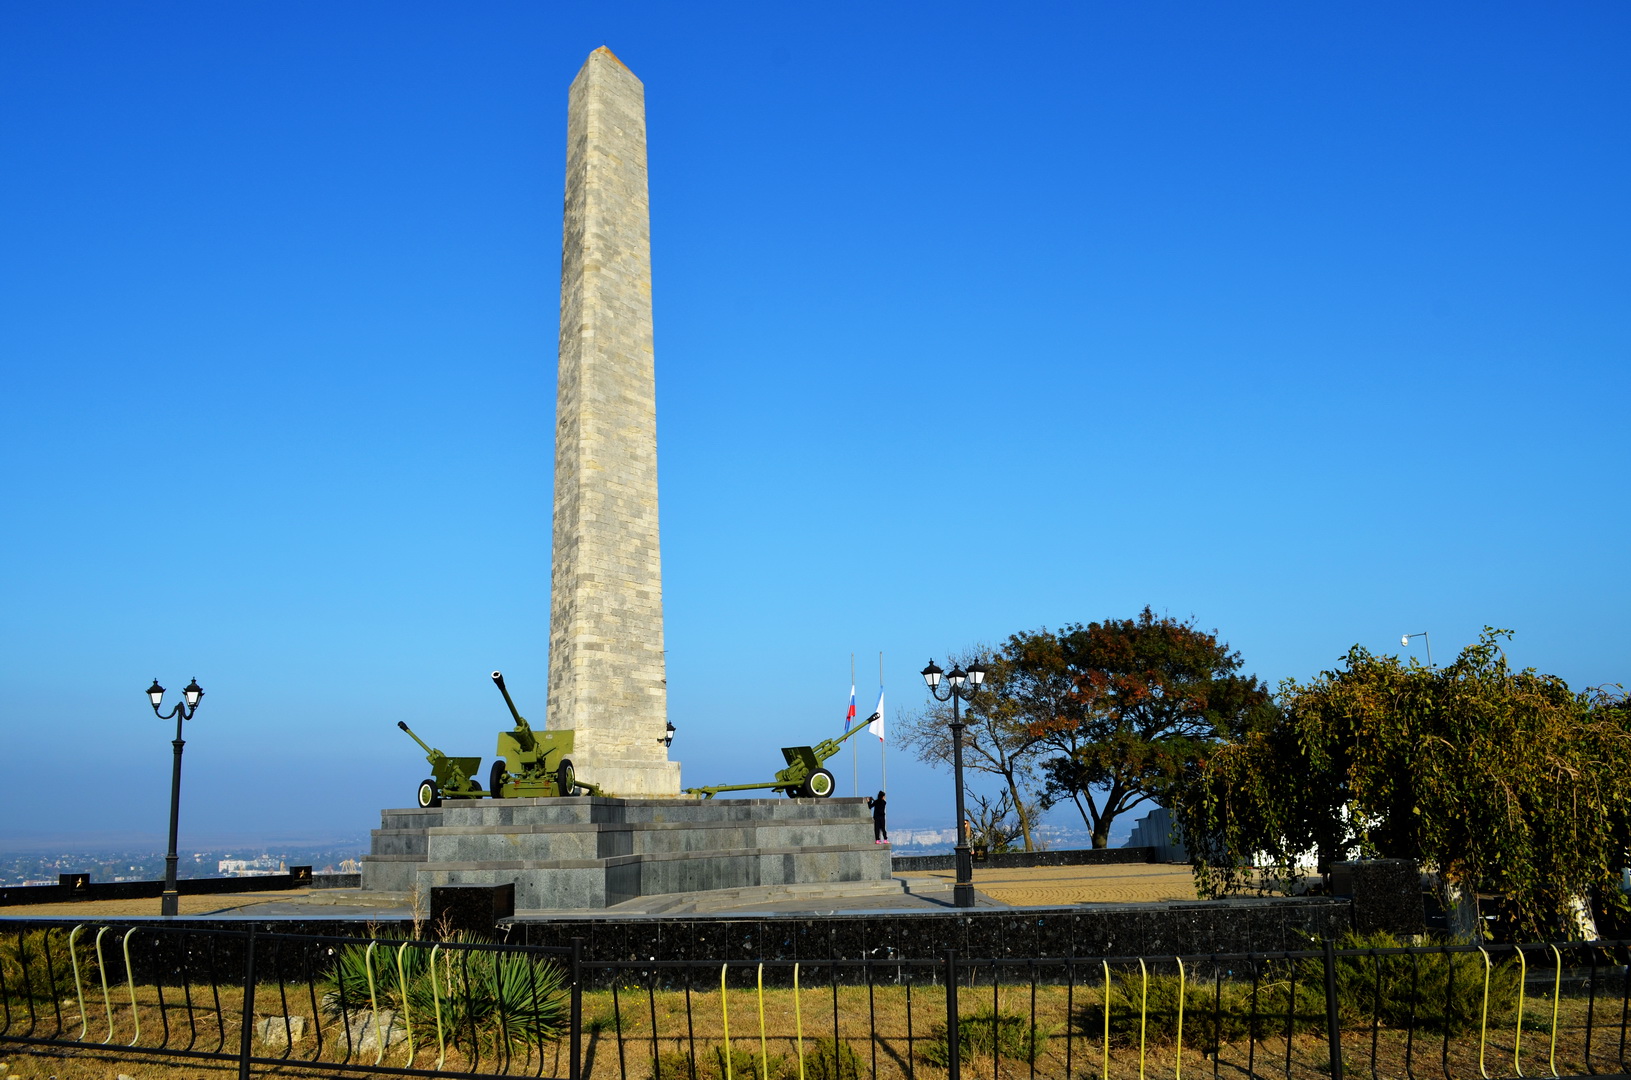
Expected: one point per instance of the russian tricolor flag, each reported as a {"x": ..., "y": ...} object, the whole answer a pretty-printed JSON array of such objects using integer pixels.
[{"x": 849, "y": 717}]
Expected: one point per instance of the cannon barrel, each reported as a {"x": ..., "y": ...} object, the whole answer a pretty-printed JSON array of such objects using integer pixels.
[
  {"x": 415, "y": 738},
  {"x": 826, "y": 748},
  {"x": 520, "y": 721}
]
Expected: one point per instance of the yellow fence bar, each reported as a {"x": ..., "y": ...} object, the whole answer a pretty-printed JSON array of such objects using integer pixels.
[
  {"x": 725, "y": 1021},
  {"x": 764, "y": 1056},
  {"x": 373, "y": 999},
  {"x": 436, "y": 1002},
  {"x": 1106, "y": 1073},
  {"x": 1483, "y": 1018},
  {"x": 402, "y": 988},
  {"x": 1557, "y": 994},
  {"x": 1178, "y": 1052},
  {"x": 102, "y": 967},
  {"x": 79, "y": 987},
  {"x": 1143, "y": 1012},
  {"x": 130, "y": 982},
  {"x": 798, "y": 1020},
  {"x": 1517, "y": 1032}
]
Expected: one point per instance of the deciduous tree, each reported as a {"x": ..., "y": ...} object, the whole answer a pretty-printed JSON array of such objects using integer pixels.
[
  {"x": 1128, "y": 708},
  {"x": 997, "y": 739},
  {"x": 1503, "y": 781}
]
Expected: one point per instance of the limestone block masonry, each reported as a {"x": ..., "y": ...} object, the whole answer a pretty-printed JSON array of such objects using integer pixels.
[
  {"x": 587, "y": 853},
  {"x": 607, "y": 681}
]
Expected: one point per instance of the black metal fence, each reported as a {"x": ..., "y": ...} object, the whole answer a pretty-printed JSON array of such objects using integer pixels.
[{"x": 295, "y": 1003}]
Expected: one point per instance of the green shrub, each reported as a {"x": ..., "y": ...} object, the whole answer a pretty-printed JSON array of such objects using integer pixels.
[
  {"x": 1449, "y": 992},
  {"x": 601, "y": 1023},
  {"x": 987, "y": 1034},
  {"x": 35, "y": 965},
  {"x": 1448, "y": 989},
  {"x": 829, "y": 1059},
  {"x": 1214, "y": 1011},
  {"x": 710, "y": 1065}
]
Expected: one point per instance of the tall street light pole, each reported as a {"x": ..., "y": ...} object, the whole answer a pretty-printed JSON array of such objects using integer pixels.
[
  {"x": 956, "y": 692},
  {"x": 182, "y": 711}
]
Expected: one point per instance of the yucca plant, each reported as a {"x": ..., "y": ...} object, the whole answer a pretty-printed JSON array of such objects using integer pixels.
[
  {"x": 505, "y": 997},
  {"x": 348, "y": 987},
  {"x": 478, "y": 994}
]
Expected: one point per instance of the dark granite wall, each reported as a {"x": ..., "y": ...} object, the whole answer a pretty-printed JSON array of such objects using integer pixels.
[
  {"x": 1219, "y": 926},
  {"x": 1151, "y": 930},
  {"x": 1386, "y": 895},
  {"x": 80, "y": 887}
]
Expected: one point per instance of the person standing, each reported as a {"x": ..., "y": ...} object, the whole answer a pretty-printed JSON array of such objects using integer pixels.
[{"x": 880, "y": 831}]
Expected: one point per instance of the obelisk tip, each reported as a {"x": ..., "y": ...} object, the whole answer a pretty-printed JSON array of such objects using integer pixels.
[{"x": 612, "y": 55}]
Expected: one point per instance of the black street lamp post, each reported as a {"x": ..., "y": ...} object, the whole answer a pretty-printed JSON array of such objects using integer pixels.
[
  {"x": 962, "y": 891},
  {"x": 182, "y": 711}
]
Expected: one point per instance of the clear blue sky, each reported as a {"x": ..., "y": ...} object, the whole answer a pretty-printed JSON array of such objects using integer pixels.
[{"x": 1310, "y": 322}]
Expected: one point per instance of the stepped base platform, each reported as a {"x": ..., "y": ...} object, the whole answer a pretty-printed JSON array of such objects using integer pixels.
[{"x": 587, "y": 853}]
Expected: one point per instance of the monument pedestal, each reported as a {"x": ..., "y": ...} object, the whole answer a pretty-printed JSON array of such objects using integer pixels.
[
  {"x": 589, "y": 853},
  {"x": 618, "y": 776}
]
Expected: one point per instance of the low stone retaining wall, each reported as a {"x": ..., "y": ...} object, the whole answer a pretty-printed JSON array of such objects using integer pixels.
[
  {"x": 1169, "y": 929},
  {"x": 81, "y": 887},
  {"x": 905, "y": 864}
]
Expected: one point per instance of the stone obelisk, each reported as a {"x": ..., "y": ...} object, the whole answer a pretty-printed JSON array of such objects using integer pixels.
[{"x": 607, "y": 682}]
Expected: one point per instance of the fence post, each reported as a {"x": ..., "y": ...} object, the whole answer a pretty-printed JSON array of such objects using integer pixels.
[
  {"x": 574, "y": 1052},
  {"x": 246, "y": 1036},
  {"x": 954, "y": 1042},
  {"x": 1333, "y": 1033}
]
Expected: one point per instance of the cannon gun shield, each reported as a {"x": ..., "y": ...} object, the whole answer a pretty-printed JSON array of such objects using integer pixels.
[{"x": 450, "y": 777}]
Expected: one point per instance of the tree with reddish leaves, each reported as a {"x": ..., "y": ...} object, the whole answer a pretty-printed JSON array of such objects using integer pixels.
[{"x": 1128, "y": 708}]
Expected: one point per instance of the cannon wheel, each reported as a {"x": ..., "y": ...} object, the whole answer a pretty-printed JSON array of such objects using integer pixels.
[
  {"x": 430, "y": 796},
  {"x": 565, "y": 779},
  {"x": 495, "y": 779},
  {"x": 820, "y": 785}
]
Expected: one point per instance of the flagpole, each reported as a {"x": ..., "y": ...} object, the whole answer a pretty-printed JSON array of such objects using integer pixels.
[
  {"x": 855, "y": 753},
  {"x": 883, "y": 764}
]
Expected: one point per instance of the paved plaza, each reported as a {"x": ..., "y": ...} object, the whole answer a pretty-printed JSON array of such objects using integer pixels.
[{"x": 1038, "y": 886}]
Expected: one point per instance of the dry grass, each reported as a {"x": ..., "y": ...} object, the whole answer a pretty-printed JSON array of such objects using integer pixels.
[
  {"x": 1115, "y": 883},
  {"x": 888, "y": 1027},
  {"x": 91, "y": 910}
]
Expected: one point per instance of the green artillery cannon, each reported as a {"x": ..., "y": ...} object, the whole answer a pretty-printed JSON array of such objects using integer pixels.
[
  {"x": 529, "y": 764},
  {"x": 450, "y": 777},
  {"x": 803, "y": 776},
  {"x": 523, "y": 768}
]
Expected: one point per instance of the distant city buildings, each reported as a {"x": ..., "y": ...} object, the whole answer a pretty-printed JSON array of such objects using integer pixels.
[
  {"x": 260, "y": 867},
  {"x": 921, "y": 837}
]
